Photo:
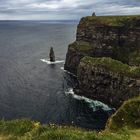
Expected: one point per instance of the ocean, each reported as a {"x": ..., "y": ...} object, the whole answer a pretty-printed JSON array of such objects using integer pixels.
[{"x": 32, "y": 87}]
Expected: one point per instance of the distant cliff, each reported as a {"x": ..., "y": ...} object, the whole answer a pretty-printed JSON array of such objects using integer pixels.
[{"x": 114, "y": 37}]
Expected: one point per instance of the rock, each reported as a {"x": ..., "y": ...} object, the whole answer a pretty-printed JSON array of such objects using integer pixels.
[
  {"x": 52, "y": 56},
  {"x": 107, "y": 80}
]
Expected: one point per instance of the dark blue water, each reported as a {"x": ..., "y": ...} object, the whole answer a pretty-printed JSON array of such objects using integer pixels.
[{"x": 32, "y": 89}]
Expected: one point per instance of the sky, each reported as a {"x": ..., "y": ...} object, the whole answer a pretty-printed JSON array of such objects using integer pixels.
[{"x": 64, "y": 9}]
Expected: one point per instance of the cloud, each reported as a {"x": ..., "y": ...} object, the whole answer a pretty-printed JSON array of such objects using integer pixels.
[{"x": 65, "y": 9}]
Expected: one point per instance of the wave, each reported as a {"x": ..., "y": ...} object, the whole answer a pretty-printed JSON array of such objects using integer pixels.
[
  {"x": 49, "y": 62},
  {"x": 62, "y": 68},
  {"x": 95, "y": 105}
]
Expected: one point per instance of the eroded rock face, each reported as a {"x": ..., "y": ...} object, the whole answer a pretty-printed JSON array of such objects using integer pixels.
[
  {"x": 99, "y": 82},
  {"x": 118, "y": 41},
  {"x": 115, "y": 37},
  {"x": 75, "y": 53},
  {"x": 106, "y": 80}
]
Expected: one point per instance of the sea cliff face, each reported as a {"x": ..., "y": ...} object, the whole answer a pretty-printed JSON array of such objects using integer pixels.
[
  {"x": 117, "y": 37},
  {"x": 107, "y": 80},
  {"x": 113, "y": 42}
]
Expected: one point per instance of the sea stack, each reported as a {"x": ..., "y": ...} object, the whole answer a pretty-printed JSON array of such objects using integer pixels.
[{"x": 52, "y": 56}]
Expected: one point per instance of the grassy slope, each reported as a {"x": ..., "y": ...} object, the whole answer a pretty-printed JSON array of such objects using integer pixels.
[
  {"x": 127, "y": 115},
  {"x": 53, "y": 132},
  {"x": 29, "y": 130},
  {"x": 135, "y": 134},
  {"x": 113, "y": 65}
]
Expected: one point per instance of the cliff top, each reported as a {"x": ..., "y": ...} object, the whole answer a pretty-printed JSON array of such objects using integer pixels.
[
  {"x": 25, "y": 129},
  {"x": 113, "y": 65},
  {"x": 109, "y": 20},
  {"x": 127, "y": 115}
]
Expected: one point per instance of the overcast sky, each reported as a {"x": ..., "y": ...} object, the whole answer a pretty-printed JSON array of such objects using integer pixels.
[{"x": 64, "y": 9}]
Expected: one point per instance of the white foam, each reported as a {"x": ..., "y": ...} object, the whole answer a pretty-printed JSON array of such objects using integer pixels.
[
  {"x": 92, "y": 103},
  {"x": 62, "y": 68},
  {"x": 49, "y": 62}
]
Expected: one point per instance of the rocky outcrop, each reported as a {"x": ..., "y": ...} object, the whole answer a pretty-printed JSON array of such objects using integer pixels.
[
  {"x": 76, "y": 51},
  {"x": 107, "y": 80},
  {"x": 117, "y": 37}
]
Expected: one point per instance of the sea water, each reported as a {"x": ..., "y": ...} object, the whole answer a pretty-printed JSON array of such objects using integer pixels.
[{"x": 33, "y": 87}]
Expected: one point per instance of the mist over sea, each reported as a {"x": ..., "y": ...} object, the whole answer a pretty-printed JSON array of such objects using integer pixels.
[{"x": 34, "y": 89}]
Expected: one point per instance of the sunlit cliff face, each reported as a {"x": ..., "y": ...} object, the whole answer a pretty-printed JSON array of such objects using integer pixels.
[{"x": 65, "y": 9}]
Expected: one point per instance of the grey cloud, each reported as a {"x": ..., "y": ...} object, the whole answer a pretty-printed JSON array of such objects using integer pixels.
[{"x": 60, "y": 9}]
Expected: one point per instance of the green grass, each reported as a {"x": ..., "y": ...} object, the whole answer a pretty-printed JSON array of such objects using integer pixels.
[
  {"x": 113, "y": 65},
  {"x": 16, "y": 127},
  {"x": 108, "y": 20},
  {"x": 81, "y": 46},
  {"x": 29, "y": 130},
  {"x": 127, "y": 115}
]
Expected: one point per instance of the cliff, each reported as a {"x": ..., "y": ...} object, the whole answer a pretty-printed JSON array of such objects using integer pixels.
[
  {"x": 107, "y": 80},
  {"x": 106, "y": 58},
  {"x": 117, "y": 37}
]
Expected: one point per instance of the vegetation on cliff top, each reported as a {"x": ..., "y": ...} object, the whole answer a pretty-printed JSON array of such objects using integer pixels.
[
  {"x": 113, "y": 65},
  {"x": 29, "y": 130},
  {"x": 109, "y": 20},
  {"x": 127, "y": 115},
  {"x": 81, "y": 46}
]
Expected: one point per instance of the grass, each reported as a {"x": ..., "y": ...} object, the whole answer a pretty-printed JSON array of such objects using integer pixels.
[
  {"x": 81, "y": 46},
  {"x": 18, "y": 127},
  {"x": 29, "y": 130},
  {"x": 108, "y": 20},
  {"x": 112, "y": 65},
  {"x": 127, "y": 115},
  {"x": 54, "y": 132}
]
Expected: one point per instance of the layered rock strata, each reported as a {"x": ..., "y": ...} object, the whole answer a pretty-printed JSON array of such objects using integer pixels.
[
  {"x": 106, "y": 58},
  {"x": 117, "y": 37}
]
